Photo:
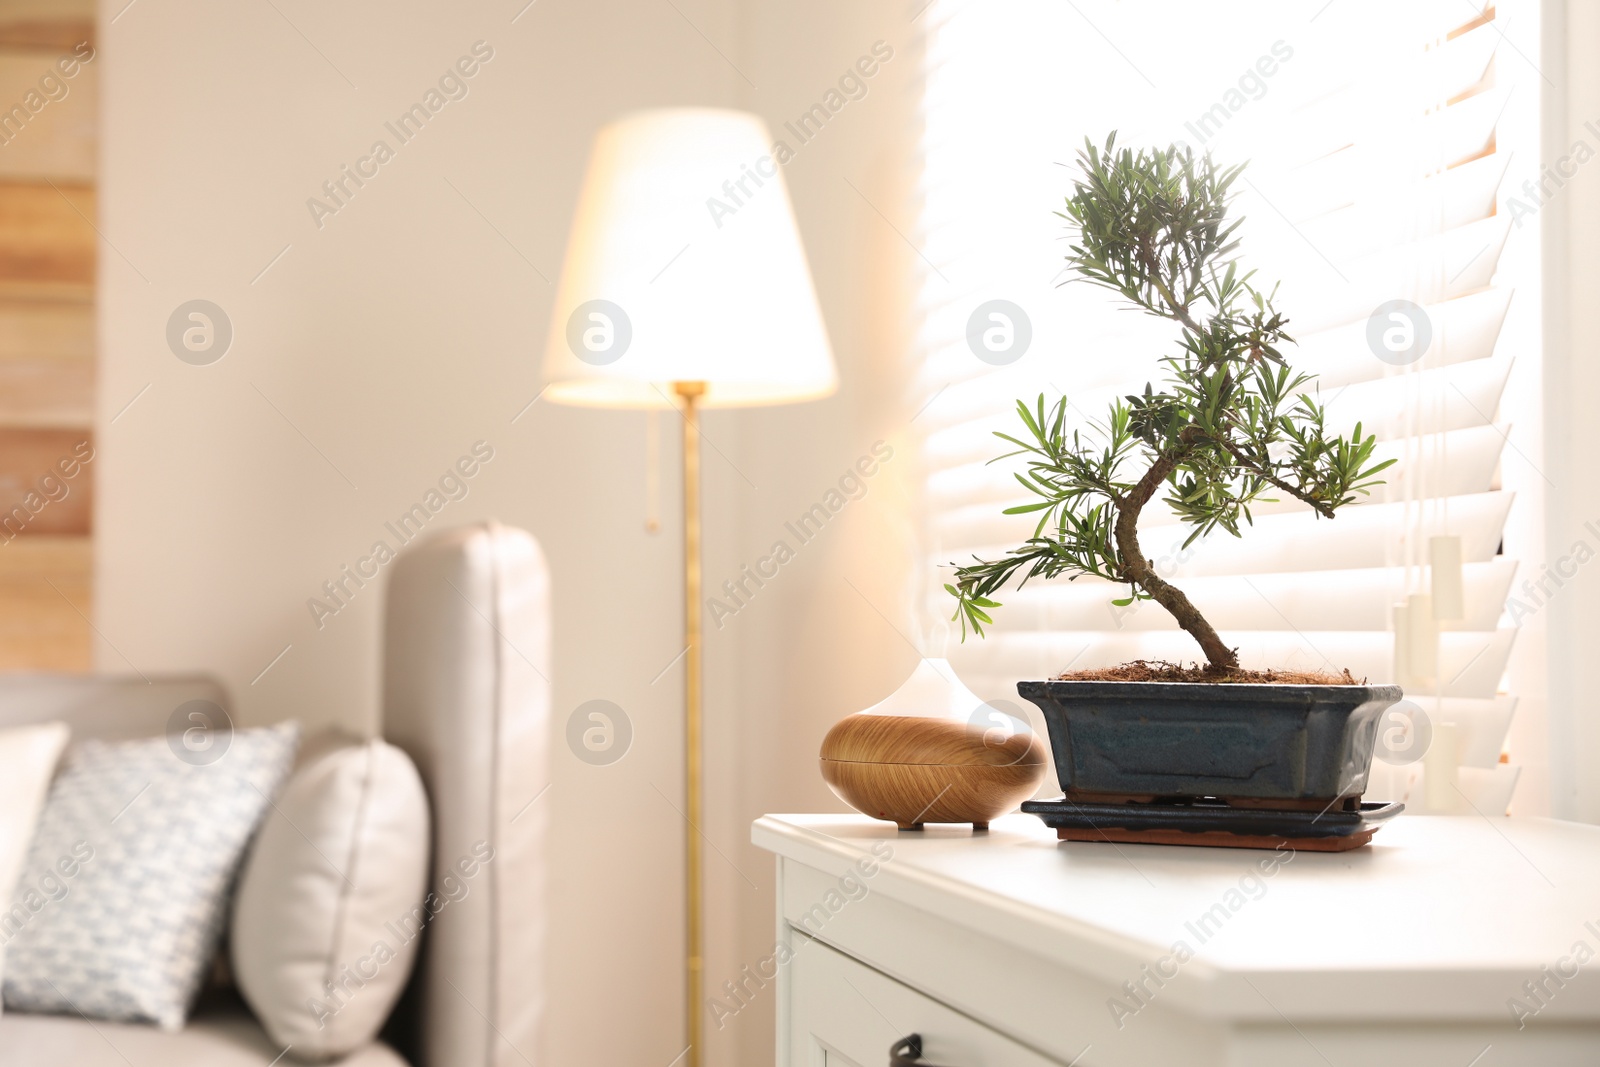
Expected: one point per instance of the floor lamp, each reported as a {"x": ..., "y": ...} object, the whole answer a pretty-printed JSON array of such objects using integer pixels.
[{"x": 686, "y": 286}]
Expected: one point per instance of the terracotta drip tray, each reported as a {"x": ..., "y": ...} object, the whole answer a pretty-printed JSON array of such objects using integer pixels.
[{"x": 1213, "y": 823}]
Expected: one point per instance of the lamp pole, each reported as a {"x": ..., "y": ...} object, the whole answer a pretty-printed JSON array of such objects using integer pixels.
[
  {"x": 639, "y": 193},
  {"x": 689, "y": 394}
]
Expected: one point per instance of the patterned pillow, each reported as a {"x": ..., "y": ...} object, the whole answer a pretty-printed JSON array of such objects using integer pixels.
[{"x": 155, "y": 832}]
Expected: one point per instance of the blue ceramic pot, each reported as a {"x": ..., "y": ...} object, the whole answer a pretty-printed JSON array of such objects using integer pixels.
[{"x": 1253, "y": 743}]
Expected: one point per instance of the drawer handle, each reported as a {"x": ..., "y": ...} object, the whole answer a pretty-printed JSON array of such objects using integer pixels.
[{"x": 907, "y": 1052}]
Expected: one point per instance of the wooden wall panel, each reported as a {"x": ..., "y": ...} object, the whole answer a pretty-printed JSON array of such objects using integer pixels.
[
  {"x": 47, "y": 345},
  {"x": 47, "y": 364},
  {"x": 43, "y": 393},
  {"x": 46, "y": 24},
  {"x": 45, "y": 234},
  {"x": 45, "y": 35},
  {"x": 42, "y": 327},
  {"x": 59, "y": 141},
  {"x": 45, "y": 603},
  {"x": 37, "y": 495}
]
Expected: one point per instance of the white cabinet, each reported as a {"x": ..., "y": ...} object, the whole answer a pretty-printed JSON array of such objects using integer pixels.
[{"x": 1449, "y": 942}]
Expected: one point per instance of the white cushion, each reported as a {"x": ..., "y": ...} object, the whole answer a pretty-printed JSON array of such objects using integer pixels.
[
  {"x": 331, "y": 900},
  {"x": 160, "y": 828},
  {"x": 28, "y": 756}
]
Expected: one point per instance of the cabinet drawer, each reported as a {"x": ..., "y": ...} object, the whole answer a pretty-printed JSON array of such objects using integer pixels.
[{"x": 845, "y": 1014}]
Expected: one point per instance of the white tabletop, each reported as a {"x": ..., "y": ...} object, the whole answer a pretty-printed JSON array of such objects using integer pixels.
[{"x": 1459, "y": 907}]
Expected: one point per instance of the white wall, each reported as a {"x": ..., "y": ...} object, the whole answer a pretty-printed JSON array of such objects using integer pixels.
[{"x": 379, "y": 347}]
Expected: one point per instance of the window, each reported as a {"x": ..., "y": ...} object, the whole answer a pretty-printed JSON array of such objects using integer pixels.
[{"x": 1386, "y": 144}]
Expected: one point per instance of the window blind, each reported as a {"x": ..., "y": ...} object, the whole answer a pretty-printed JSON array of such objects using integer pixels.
[{"x": 1379, "y": 147}]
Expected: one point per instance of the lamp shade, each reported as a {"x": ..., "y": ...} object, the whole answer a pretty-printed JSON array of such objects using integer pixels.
[{"x": 685, "y": 265}]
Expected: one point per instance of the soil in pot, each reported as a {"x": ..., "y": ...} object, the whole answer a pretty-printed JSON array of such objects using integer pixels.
[{"x": 1160, "y": 670}]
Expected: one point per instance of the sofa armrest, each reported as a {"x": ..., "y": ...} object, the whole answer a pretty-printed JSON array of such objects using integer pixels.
[{"x": 466, "y": 694}]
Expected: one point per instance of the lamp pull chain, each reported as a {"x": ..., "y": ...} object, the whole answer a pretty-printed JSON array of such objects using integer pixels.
[{"x": 652, "y": 471}]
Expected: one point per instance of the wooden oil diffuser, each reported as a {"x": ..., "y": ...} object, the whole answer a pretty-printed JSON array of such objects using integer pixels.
[{"x": 932, "y": 752}]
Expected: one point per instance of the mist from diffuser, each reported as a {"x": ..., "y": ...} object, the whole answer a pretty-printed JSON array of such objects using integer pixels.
[
  {"x": 934, "y": 691},
  {"x": 662, "y": 285}
]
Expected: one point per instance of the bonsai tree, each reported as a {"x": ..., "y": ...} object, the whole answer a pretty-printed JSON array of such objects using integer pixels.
[{"x": 1230, "y": 423}]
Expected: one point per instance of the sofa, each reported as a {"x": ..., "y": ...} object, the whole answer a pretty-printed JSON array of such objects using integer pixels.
[{"x": 466, "y": 694}]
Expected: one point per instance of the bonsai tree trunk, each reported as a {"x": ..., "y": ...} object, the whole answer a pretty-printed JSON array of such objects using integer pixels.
[{"x": 1138, "y": 570}]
